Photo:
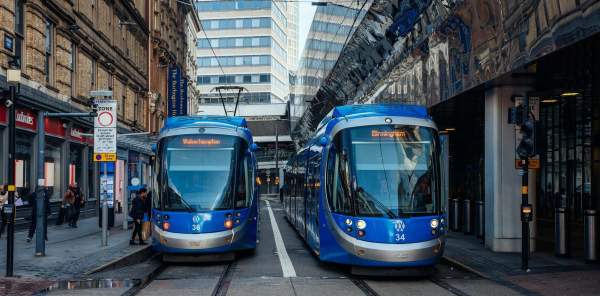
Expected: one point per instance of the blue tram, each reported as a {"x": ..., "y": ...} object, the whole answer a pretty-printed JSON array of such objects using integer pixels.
[
  {"x": 205, "y": 200},
  {"x": 366, "y": 189}
]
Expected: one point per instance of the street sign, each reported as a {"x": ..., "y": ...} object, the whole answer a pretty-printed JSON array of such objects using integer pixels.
[
  {"x": 105, "y": 131},
  {"x": 533, "y": 163}
]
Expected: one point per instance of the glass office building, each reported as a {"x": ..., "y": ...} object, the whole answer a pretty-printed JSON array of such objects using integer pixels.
[{"x": 247, "y": 46}]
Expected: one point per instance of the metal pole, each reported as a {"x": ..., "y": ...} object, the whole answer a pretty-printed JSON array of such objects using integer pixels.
[
  {"x": 525, "y": 224},
  {"x": 276, "y": 156},
  {"x": 10, "y": 240},
  {"x": 125, "y": 196},
  {"x": 105, "y": 207},
  {"x": 40, "y": 235}
]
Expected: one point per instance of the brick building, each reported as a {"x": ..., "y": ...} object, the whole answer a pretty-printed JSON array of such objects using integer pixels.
[
  {"x": 174, "y": 27},
  {"x": 68, "y": 48}
]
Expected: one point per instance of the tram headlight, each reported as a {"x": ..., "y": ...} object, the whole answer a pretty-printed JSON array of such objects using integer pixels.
[
  {"x": 166, "y": 225},
  {"x": 361, "y": 224},
  {"x": 228, "y": 224},
  {"x": 434, "y": 223},
  {"x": 349, "y": 222}
]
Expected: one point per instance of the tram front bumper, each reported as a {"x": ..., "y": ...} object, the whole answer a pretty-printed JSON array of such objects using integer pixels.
[{"x": 192, "y": 242}]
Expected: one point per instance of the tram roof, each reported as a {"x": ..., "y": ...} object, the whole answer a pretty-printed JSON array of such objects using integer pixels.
[
  {"x": 190, "y": 121},
  {"x": 368, "y": 110}
]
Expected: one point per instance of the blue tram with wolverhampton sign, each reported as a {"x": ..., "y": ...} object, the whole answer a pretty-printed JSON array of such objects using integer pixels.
[
  {"x": 205, "y": 200},
  {"x": 366, "y": 189}
]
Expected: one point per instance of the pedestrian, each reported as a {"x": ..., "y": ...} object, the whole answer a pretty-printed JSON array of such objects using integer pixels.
[
  {"x": 33, "y": 217},
  {"x": 78, "y": 203},
  {"x": 68, "y": 204},
  {"x": 138, "y": 209},
  {"x": 3, "y": 216}
]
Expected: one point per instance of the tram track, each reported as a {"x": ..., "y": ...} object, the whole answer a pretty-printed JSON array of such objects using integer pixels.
[
  {"x": 447, "y": 287},
  {"x": 146, "y": 280},
  {"x": 364, "y": 287},
  {"x": 224, "y": 280}
]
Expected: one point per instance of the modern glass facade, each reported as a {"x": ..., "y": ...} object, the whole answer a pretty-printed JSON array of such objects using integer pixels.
[{"x": 242, "y": 41}]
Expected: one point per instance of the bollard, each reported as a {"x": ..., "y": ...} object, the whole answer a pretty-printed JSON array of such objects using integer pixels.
[
  {"x": 560, "y": 232},
  {"x": 479, "y": 219},
  {"x": 590, "y": 227},
  {"x": 467, "y": 229},
  {"x": 454, "y": 221}
]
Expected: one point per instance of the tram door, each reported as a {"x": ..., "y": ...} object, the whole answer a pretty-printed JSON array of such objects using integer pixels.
[
  {"x": 444, "y": 166},
  {"x": 312, "y": 199}
]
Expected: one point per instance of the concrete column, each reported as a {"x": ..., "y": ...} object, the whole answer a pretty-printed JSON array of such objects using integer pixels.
[
  {"x": 65, "y": 155},
  {"x": 502, "y": 179},
  {"x": 85, "y": 176},
  {"x": 4, "y": 156}
]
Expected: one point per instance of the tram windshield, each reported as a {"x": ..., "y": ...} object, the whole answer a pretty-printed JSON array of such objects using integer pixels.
[
  {"x": 390, "y": 170},
  {"x": 199, "y": 173}
]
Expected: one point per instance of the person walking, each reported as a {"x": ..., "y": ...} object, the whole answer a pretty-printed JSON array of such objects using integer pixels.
[
  {"x": 68, "y": 204},
  {"x": 138, "y": 208},
  {"x": 33, "y": 217},
  {"x": 3, "y": 216}
]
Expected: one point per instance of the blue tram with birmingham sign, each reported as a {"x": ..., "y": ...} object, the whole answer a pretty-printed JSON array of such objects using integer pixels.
[
  {"x": 366, "y": 189},
  {"x": 205, "y": 200}
]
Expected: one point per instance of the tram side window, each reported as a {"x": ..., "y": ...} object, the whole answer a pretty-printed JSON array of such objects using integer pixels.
[
  {"x": 338, "y": 195},
  {"x": 243, "y": 193}
]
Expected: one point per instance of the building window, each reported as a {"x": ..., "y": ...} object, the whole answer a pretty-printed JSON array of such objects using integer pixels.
[
  {"x": 73, "y": 67},
  {"x": 19, "y": 29},
  {"x": 49, "y": 51}
]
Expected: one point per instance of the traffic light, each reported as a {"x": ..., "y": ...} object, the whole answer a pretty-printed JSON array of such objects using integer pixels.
[
  {"x": 526, "y": 147},
  {"x": 517, "y": 115}
]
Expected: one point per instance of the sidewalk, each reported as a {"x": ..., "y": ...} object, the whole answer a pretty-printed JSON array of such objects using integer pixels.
[
  {"x": 549, "y": 275},
  {"x": 70, "y": 253}
]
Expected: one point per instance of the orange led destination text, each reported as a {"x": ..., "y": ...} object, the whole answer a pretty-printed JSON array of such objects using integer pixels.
[
  {"x": 200, "y": 142},
  {"x": 388, "y": 134}
]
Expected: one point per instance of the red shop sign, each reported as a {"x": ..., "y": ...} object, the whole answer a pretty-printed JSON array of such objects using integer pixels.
[
  {"x": 76, "y": 134},
  {"x": 26, "y": 119},
  {"x": 54, "y": 126},
  {"x": 2, "y": 114}
]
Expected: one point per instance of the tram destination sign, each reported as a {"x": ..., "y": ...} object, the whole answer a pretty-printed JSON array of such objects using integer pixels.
[{"x": 105, "y": 131}]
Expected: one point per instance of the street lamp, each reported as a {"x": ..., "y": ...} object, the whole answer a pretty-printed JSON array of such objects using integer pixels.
[{"x": 13, "y": 78}]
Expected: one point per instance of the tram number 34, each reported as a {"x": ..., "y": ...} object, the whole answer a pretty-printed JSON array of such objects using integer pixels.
[{"x": 399, "y": 237}]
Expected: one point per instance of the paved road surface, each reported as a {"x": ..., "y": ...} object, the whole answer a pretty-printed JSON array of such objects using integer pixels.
[{"x": 262, "y": 273}]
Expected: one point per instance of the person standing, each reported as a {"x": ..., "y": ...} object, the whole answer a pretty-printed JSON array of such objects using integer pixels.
[
  {"x": 3, "y": 216},
  {"x": 138, "y": 209},
  {"x": 68, "y": 204},
  {"x": 78, "y": 203},
  {"x": 33, "y": 225}
]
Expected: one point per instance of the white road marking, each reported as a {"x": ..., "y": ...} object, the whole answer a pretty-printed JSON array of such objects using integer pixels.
[{"x": 284, "y": 258}]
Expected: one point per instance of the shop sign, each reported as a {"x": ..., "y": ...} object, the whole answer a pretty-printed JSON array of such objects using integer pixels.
[
  {"x": 3, "y": 114},
  {"x": 105, "y": 131},
  {"x": 26, "y": 119},
  {"x": 54, "y": 126},
  {"x": 77, "y": 134}
]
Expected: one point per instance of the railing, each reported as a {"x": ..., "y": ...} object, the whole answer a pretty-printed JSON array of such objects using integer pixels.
[{"x": 265, "y": 156}]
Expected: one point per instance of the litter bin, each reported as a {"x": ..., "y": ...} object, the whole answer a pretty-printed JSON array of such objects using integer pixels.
[
  {"x": 590, "y": 227},
  {"x": 467, "y": 229},
  {"x": 454, "y": 209},
  {"x": 560, "y": 232},
  {"x": 479, "y": 218}
]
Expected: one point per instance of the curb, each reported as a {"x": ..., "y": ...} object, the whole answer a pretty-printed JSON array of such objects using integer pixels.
[
  {"x": 463, "y": 266},
  {"x": 136, "y": 255}
]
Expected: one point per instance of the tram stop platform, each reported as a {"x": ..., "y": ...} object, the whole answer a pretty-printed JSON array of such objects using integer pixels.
[
  {"x": 71, "y": 253},
  {"x": 548, "y": 274}
]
